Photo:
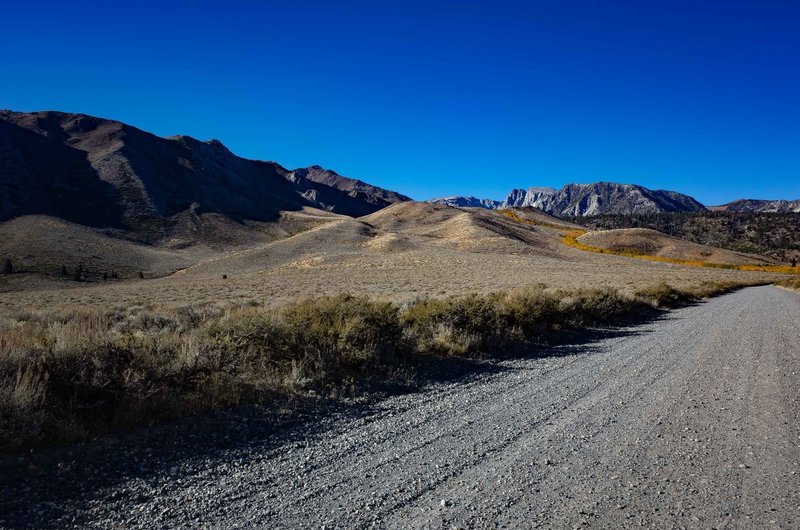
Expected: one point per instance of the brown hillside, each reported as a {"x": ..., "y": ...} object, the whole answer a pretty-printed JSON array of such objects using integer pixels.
[
  {"x": 471, "y": 229},
  {"x": 648, "y": 242},
  {"x": 44, "y": 244}
]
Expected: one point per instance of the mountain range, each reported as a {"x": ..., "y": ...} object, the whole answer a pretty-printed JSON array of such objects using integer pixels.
[
  {"x": 599, "y": 198},
  {"x": 104, "y": 173},
  {"x": 609, "y": 198},
  {"x": 457, "y": 201},
  {"x": 754, "y": 205}
]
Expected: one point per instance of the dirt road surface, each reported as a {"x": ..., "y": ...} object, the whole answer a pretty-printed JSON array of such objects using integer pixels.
[{"x": 689, "y": 421}]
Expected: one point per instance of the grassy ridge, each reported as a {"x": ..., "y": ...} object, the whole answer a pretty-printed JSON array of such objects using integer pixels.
[
  {"x": 772, "y": 234},
  {"x": 570, "y": 239},
  {"x": 68, "y": 375},
  {"x": 514, "y": 216}
]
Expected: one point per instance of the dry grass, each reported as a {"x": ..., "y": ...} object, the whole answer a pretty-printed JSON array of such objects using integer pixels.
[
  {"x": 534, "y": 218},
  {"x": 790, "y": 284},
  {"x": 399, "y": 254},
  {"x": 67, "y": 374}
]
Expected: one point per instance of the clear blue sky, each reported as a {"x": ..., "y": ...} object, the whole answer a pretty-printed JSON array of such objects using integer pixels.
[{"x": 437, "y": 98}]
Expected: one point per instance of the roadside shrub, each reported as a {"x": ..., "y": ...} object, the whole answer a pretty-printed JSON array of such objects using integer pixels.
[
  {"x": 307, "y": 341},
  {"x": 586, "y": 307},
  {"x": 791, "y": 284},
  {"x": 531, "y": 311},
  {"x": 246, "y": 341},
  {"x": 342, "y": 331},
  {"x": 474, "y": 324},
  {"x": 454, "y": 326},
  {"x": 22, "y": 415},
  {"x": 706, "y": 289},
  {"x": 66, "y": 374},
  {"x": 664, "y": 295}
]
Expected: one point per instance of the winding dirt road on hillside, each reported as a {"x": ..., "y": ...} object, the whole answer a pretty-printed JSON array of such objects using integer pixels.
[{"x": 691, "y": 421}]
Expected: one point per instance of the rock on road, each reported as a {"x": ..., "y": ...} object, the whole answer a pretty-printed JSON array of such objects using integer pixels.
[{"x": 692, "y": 420}]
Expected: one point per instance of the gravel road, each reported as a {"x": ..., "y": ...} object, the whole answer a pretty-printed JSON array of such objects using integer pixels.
[{"x": 691, "y": 421}]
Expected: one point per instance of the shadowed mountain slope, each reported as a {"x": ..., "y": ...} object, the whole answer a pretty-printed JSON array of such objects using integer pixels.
[
  {"x": 104, "y": 173},
  {"x": 355, "y": 188},
  {"x": 54, "y": 247}
]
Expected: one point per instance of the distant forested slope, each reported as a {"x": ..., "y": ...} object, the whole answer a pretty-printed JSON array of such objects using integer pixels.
[{"x": 773, "y": 234}]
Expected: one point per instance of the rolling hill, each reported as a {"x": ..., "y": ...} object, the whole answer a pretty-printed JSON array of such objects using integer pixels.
[
  {"x": 772, "y": 234},
  {"x": 646, "y": 242}
]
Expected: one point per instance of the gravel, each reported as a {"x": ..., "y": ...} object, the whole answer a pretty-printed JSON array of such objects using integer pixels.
[{"x": 688, "y": 421}]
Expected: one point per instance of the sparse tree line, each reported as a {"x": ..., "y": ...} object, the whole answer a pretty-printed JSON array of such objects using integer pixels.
[
  {"x": 80, "y": 274},
  {"x": 77, "y": 273},
  {"x": 772, "y": 234}
]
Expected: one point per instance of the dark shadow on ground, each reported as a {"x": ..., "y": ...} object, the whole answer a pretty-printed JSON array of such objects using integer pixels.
[{"x": 56, "y": 487}]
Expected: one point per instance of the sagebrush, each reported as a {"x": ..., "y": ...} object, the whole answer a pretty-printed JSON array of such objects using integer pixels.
[{"x": 68, "y": 374}]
